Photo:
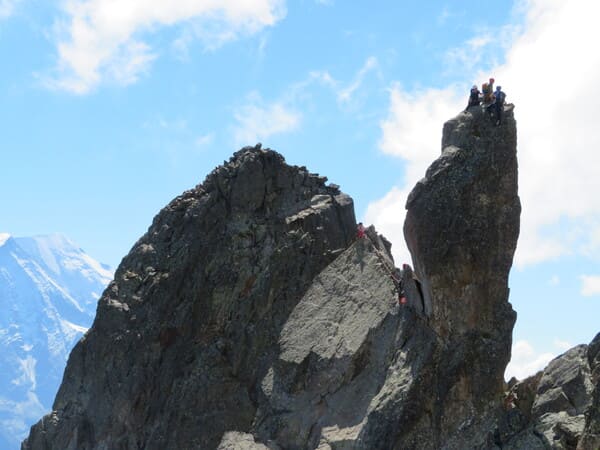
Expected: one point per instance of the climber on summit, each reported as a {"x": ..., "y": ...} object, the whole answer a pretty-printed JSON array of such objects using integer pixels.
[
  {"x": 474, "y": 97},
  {"x": 491, "y": 90},
  {"x": 487, "y": 90},
  {"x": 499, "y": 104}
]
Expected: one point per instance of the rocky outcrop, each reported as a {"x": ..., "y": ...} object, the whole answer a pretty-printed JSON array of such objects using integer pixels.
[
  {"x": 461, "y": 228},
  {"x": 188, "y": 329},
  {"x": 457, "y": 217},
  {"x": 555, "y": 408},
  {"x": 590, "y": 439},
  {"x": 251, "y": 316}
]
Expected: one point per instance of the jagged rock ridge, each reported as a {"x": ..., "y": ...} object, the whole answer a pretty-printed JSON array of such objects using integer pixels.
[
  {"x": 250, "y": 316},
  {"x": 558, "y": 407}
]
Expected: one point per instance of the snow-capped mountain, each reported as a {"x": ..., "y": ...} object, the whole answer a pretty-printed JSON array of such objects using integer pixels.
[{"x": 48, "y": 293}]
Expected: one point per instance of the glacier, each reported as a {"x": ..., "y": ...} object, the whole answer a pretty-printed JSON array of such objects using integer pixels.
[{"x": 49, "y": 288}]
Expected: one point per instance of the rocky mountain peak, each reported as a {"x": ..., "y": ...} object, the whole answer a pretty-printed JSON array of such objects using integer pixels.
[
  {"x": 461, "y": 228},
  {"x": 462, "y": 225},
  {"x": 251, "y": 315}
]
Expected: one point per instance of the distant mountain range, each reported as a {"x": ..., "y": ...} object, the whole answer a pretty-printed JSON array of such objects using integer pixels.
[{"x": 49, "y": 288}]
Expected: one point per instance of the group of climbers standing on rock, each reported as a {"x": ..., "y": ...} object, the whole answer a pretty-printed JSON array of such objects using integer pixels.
[{"x": 492, "y": 100}]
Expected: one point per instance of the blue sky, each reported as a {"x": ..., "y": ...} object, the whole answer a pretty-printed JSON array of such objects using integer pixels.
[{"x": 112, "y": 108}]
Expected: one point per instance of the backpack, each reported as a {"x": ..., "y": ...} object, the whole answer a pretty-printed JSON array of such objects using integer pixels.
[{"x": 500, "y": 96}]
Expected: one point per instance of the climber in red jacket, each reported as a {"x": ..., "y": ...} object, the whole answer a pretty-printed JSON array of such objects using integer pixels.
[{"x": 360, "y": 230}]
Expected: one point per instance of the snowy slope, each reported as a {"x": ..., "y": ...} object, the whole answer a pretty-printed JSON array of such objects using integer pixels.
[{"x": 48, "y": 293}]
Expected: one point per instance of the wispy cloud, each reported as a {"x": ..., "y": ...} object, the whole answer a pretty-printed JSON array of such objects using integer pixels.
[
  {"x": 7, "y": 7},
  {"x": 102, "y": 39},
  {"x": 204, "y": 140},
  {"x": 27, "y": 373},
  {"x": 344, "y": 91},
  {"x": 590, "y": 285},
  {"x": 444, "y": 16},
  {"x": 558, "y": 137},
  {"x": 258, "y": 120},
  {"x": 469, "y": 55},
  {"x": 448, "y": 14}
]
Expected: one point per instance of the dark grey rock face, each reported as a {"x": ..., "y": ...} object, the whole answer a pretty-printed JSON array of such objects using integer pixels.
[
  {"x": 461, "y": 228},
  {"x": 190, "y": 326},
  {"x": 250, "y": 316}
]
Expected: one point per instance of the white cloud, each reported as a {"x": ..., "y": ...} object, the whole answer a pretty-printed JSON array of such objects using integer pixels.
[
  {"x": 526, "y": 361},
  {"x": 549, "y": 72},
  {"x": 258, "y": 121},
  {"x": 562, "y": 345},
  {"x": 554, "y": 280},
  {"x": 204, "y": 140},
  {"x": 7, "y": 7},
  {"x": 470, "y": 54},
  {"x": 345, "y": 94},
  {"x": 412, "y": 131},
  {"x": 101, "y": 39},
  {"x": 388, "y": 215},
  {"x": 590, "y": 285}
]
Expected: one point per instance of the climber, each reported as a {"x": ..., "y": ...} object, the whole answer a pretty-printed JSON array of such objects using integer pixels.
[
  {"x": 487, "y": 90},
  {"x": 509, "y": 400},
  {"x": 360, "y": 230},
  {"x": 474, "y": 97},
  {"x": 499, "y": 104},
  {"x": 399, "y": 286},
  {"x": 491, "y": 89}
]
